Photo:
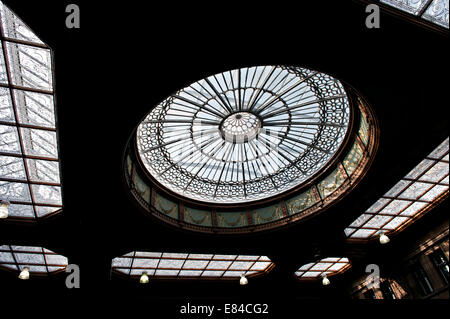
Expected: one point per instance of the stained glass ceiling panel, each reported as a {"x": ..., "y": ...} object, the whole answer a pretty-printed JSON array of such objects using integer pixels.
[
  {"x": 166, "y": 265},
  {"x": 414, "y": 194},
  {"x": 327, "y": 266},
  {"x": 37, "y": 259},
  {"x": 29, "y": 159},
  {"x": 245, "y": 134}
]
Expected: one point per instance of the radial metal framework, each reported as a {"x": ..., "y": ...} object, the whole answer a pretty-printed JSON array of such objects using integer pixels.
[{"x": 245, "y": 134}]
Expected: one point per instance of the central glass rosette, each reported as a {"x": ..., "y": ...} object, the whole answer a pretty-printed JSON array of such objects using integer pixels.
[
  {"x": 240, "y": 127},
  {"x": 244, "y": 135}
]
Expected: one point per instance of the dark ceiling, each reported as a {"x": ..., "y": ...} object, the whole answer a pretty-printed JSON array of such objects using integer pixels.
[{"x": 127, "y": 57}]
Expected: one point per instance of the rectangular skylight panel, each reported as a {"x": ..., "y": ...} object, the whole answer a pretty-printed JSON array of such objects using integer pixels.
[
  {"x": 241, "y": 265},
  {"x": 145, "y": 263},
  {"x": 6, "y": 257},
  {"x": 435, "y": 192},
  {"x": 435, "y": 173},
  {"x": 201, "y": 256},
  {"x": 440, "y": 151},
  {"x": 122, "y": 262},
  {"x": 395, "y": 207},
  {"x": 321, "y": 266},
  {"x": 437, "y": 12},
  {"x": 378, "y": 205},
  {"x": 219, "y": 264},
  {"x": 26, "y": 249},
  {"x": 44, "y": 194},
  {"x": 210, "y": 273},
  {"x": 348, "y": 231},
  {"x": 22, "y": 211},
  {"x": 163, "y": 272},
  {"x": 36, "y": 269},
  {"x": 9, "y": 140},
  {"x": 362, "y": 233},
  {"x": 26, "y": 258},
  {"x": 30, "y": 66},
  {"x": 3, "y": 74},
  {"x": 15, "y": 192},
  {"x": 56, "y": 260},
  {"x": 15, "y": 28},
  {"x": 233, "y": 273},
  {"x": 174, "y": 255},
  {"x": 415, "y": 190},
  {"x": 42, "y": 211},
  {"x": 377, "y": 221},
  {"x": 39, "y": 142},
  {"x": 400, "y": 186},
  {"x": 410, "y": 6},
  {"x": 396, "y": 222},
  {"x": 43, "y": 171},
  {"x": 331, "y": 259},
  {"x": 307, "y": 266},
  {"x": 260, "y": 266},
  {"x": 413, "y": 209},
  {"x": 35, "y": 108},
  {"x": 419, "y": 169},
  {"x": 190, "y": 273},
  {"x": 138, "y": 272},
  {"x": 311, "y": 274},
  {"x": 337, "y": 267},
  {"x": 171, "y": 263},
  {"x": 6, "y": 109},
  {"x": 243, "y": 257},
  {"x": 12, "y": 168},
  {"x": 195, "y": 264},
  {"x": 225, "y": 257},
  {"x": 148, "y": 254}
]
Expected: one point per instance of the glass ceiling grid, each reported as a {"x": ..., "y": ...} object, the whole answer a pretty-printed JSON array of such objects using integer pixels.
[
  {"x": 326, "y": 266},
  {"x": 417, "y": 192},
  {"x": 434, "y": 11},
  {"x": 37, "y": 259},
  {"x": 191, "y": 265},
  {"x": 29, "y": 164}
]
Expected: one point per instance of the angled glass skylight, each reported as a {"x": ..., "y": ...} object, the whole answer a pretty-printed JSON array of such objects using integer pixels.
[
  {"x": 435, "y": 11},
  {"x": 38, "y": 260},
  {"x": 176, "y": 265},
  {"x": 413, "y": 195},
  {"x": 245, "y": 134},
  {"x": 327, "y": 266},
  {"x": 29, "y": 160}
]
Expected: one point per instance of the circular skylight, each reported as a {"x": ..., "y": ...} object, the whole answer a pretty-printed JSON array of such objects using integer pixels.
[{"x": 246, "y": 134}]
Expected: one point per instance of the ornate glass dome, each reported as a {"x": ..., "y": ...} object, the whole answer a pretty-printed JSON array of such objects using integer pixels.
[{"x": 245, "y": 135}]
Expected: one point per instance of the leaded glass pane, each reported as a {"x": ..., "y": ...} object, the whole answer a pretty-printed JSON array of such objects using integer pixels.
[
  {"x": 410, "y": 6},
  {"x": 12, "y": 168},
  {"x": 35, "y": 108},
  {"x": 15, "y": 191},
  {"x": 39, "y": 142},
  {"x": 9, "y": 139},
  {"x": 15, "y": 28},
  {"x": 30, "y": 66},
  {"x": 6, "y": 110},
  {"x": 437, "y": 12}
]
